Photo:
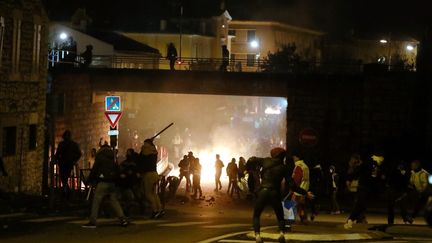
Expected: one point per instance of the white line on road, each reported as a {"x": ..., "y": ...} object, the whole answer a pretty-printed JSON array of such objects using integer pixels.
[
  {"x": 315, "y": 237},
  {"x": 222, "y": 226},
  {"x": 183, "y": 224},
  {"x": 238, "y": 241},
  {"x": 50, "y": 219},
  {"x": 13, "y": 215},
  {"x": 218, "y": 238}
]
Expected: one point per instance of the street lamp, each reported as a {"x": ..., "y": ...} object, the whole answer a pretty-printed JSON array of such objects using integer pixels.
[
  {"x": 63, "y": 36},
  {"x": 383, "y": 41},
  {"x": 254, "y": 44},
  {"x": 410, "y": 47}
]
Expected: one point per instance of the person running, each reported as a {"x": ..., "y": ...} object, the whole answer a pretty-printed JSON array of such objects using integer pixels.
[
  {"x": 197, "y": 179},
  {"x": 273, "y": 171},
  {"x": 218, "y": 172},
  {"x": 104, "y": 175},
  {"x": 301, "y": 178},
  {"x": 419, "y": 181}
]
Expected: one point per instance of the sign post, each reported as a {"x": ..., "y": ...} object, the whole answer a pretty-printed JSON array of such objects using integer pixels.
[
  {"x": 113, "y": 114},
  {"x": 308, "y": 137}
]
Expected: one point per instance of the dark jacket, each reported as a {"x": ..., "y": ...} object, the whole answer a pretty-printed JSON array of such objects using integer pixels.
[
  {"x": 147, "y": 163},
  {"x": 128, "y": 168},
  {"x": 273, "y": 172},
  {"x": 68, "y": 153},
  {"x": 232, "y": 170},
  {"x": 104, "y": 169},
  {"x": 363, "y": 173}
]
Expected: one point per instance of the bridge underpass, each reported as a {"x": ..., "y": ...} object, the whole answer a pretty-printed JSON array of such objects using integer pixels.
[{"x": 346, "y": 111}]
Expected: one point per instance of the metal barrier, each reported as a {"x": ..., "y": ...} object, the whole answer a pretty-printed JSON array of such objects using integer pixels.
[{"x": 62, "y": 58}]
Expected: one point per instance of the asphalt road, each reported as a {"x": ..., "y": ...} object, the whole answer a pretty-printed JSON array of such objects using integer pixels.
[{"x": 222, "y": 220}]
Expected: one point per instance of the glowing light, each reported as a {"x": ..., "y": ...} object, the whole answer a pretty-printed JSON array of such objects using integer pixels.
[
  {"x": 63, "y": 36},
  {"x": 254, "y": 44},
  {"x": 383, "y": 41},
  {"x": 272, "y": 110},
  {"x": 430, "y": 179},
  {"x": 409, "y": 47}
]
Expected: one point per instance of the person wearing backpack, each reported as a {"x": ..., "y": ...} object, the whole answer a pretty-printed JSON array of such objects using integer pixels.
[
  {"x": 104, "y": 175},
  {"x": 67, "y": 155}
]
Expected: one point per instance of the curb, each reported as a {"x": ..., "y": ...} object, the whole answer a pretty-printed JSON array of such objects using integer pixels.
[{"x": 412, "y": 230}]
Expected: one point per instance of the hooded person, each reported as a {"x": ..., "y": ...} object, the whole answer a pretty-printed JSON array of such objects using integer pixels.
[
  {"x": 147, "y": 165},
  {"x": 273, "y": 172}
]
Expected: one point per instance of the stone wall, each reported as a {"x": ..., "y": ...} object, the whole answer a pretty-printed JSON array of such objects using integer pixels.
[{"x": 22, "y": 96}]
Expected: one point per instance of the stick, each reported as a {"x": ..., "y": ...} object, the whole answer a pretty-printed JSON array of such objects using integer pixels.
[
  {"x": 88, "y": 193},
  {"x": 163, "y": 130}
]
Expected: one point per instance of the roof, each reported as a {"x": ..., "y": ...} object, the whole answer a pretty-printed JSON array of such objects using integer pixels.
[{"x": 121, "y": 42}]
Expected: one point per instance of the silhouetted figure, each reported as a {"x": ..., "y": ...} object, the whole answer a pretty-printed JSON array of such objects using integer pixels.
[
  {"x": 197, "y": 178},
  {"x": 67, "y": 155},
  {"x": 104, "y": 175},
  {"x": 171, "y": 55},
  {"x": 232, "y": 172},
  {"x": 334, "y": 186},
  {"x": 184, "y": 171},
  {"x": 148, "y": 162},
  {"x": 225, "y": 59},
  {"x": 191, "y": 159},
  {"x": 241, "y": 168},
  {"x": 273, "y": 171},
  {"x": 129, "y": 180},
  {"x": 396, "y": 193},
  {"x": 218, "y": 172},
  {"x": 87, "y": 56},
  {"x": 71, "y": 49}
]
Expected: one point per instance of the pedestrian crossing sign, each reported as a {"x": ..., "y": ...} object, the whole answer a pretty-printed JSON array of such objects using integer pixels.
[{"x": 112, "y": 103}]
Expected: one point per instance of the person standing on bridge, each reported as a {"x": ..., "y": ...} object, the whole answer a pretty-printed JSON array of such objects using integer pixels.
[
  {"x": 273, "y": 171},
  {"x": 171, "y": 55}
]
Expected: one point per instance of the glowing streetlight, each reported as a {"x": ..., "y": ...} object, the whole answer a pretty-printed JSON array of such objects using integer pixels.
[
  {"x": 383, "y": 41},
  {"x": 254, "y": 44},
  {"x": 409, "y": 47},
  {"x": 63, "y": 36}
]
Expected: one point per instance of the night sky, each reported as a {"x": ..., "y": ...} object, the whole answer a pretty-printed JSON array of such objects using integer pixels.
[{"x": 338, "y": 16}]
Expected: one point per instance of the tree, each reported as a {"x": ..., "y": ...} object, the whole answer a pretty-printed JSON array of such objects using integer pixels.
[{"x": 284, "y": 60}]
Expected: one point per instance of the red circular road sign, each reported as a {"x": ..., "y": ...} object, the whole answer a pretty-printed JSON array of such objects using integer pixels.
[{"x": 308, "y": 137}]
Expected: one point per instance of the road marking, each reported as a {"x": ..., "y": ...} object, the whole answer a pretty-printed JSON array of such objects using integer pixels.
[
  {"x": 183, "y": 224},
  {"x": 222, "y": 226},
  {"x": 237, "y": 241},
  {"x": 221, "y": 237},
  {"x": 315, "y": 237},
  {"x": 148, "y": 221},
  {"x": 50, "y": 219},
  {"x": 13, "y": 215}
]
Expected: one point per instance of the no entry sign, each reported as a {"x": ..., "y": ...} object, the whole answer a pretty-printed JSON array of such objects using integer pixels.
[{"x": 308, "y": 137}]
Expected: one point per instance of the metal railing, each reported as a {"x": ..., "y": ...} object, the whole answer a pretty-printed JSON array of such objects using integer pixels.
[{"x": 61, "y": 58}]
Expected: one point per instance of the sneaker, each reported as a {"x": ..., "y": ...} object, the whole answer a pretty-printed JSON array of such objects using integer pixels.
[
  {"x": 348, "y": 224},
  {"x": 153, "y": 215},
  {"x": 124, "y": 223},
  {"x": 281, "y": 238},
  {"x": 160, "y": 214},
  {"x": 258, "y": 239},
  {"x": 89, "y": 225}
]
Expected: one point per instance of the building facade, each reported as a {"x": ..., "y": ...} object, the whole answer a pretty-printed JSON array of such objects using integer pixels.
[
  {"x": 251, "y": 41},
  {"x": 23, "y": 75}
]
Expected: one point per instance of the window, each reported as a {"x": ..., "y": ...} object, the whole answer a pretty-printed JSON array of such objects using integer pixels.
[
  {"x": 60, "y": 104},
  {"x": 36, "y": 47},
  {"x": 232, "y": 32},
  {"x": 32, "y": 137},
  {"x": 2, "y": 30},
  {"x": 251, "y": 35},
  {"x": 233, "y": 57},
  {"x": 9, "y": 141},
  {"x": 250, "y": 62},
  {"x": 16, "y": 45}
]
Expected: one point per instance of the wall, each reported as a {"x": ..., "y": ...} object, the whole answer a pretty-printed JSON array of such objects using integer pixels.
[
  {"x": 389, "y": 112},
  {"x": 22, "y": 95}
]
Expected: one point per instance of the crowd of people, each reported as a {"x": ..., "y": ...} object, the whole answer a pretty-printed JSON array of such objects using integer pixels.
[{"x": 136, "y": 180}]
